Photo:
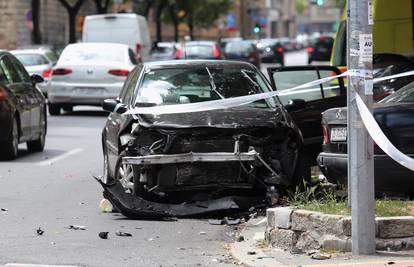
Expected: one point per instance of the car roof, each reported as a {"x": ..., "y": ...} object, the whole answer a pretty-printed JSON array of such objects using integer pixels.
[
  {"x": 93, "y": 44},
  {"x": 200, "y": 43},
  {"x": 29, "y": 51},
  {"x": 195, "y": 63},
  {"x": 112, "y": 15}
]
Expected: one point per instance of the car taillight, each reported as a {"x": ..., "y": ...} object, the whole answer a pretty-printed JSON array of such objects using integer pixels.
[
  {"x": 61, "y": 71},
  {"x": 325, "y": 135},
  {"x": 309, "y": 49},
  {"x": 138, "y": 48},
  {"x": 179, "y": 53},
  {"x": 252, "y": 56},
  {"x": 119, "y": 72},
  {"x": 216, "y": 52},
  {"x": 46, "y": 73},
  {"x": 280, "y": 50},
  {"x": 3, "y": 94}
]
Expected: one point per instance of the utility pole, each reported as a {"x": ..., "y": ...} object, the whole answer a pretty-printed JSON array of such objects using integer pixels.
[{"x": 360, "y": 145}]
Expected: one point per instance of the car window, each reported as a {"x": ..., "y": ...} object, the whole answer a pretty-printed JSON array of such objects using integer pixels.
[
  {"x": 288, "y": 80},
  {"x": 3, "y": 78},
  {"x": 9, "y": 70},
  {"x": 404, "y": 95},
  {"x": 130, "y": 85},
  {"x": 239, "y": 47},
  {"x": 32, "y": 59},
  {"x": 21, "y": 71},
  {"x": 199, "y": 50},
  {"x": 88, "y": 53},
  {"x": 51, "y": 56},
  {"x": 191, "y": 85}
]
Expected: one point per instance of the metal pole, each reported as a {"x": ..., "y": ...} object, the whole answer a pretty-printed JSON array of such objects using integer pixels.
[{"x": 360, "y": 145}]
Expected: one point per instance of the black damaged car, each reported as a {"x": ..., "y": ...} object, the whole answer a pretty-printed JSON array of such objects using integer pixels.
[
  {"x": 197, "y": 162},
  {"x": 394, "y": 114}
]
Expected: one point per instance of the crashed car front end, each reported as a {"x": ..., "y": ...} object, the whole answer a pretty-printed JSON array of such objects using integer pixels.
[
  {"x": 186, "y": 162},
  {"x": 174, "y": 162}
]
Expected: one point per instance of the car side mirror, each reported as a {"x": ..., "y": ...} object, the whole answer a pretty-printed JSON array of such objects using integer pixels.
[
  {"x": 296, "y": 104},
  {"x": 113, "y": 105},
  {"x": 36, "y": 79}
]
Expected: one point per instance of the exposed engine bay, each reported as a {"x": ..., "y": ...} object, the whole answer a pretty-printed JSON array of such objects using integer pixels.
[{"x": 174, "y": 165}]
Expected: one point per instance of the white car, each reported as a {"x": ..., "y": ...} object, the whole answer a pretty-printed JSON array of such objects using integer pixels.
[
  {"x": 88, "y": 73},
  {"x": 37, "y": 61}
]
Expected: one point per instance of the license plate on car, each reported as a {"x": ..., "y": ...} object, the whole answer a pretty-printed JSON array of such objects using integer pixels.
[
  {"x": 338, "y": 134},
  {"x": 89, "y": 91}
]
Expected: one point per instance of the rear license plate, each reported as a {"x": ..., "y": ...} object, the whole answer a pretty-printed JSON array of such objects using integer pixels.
[
  {"x": 338, "y": 134},
  {"x": 89, "y": 91}
]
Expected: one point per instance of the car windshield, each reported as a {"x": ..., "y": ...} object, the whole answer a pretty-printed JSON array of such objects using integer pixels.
[
  {"x": 191, "y": 85},
  {"x": 88, "y": 53},
  {"x": 238, "y": 47},
  {"x": 404, "y": 95},
  {"x": 199, "y": 50},
  {"x": 32, "y": 59}
]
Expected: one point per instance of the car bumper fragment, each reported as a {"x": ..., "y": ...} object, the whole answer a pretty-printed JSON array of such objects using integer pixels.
[
  {"x": 135, "y": 207},
  {"x": 190, "y": 157}
]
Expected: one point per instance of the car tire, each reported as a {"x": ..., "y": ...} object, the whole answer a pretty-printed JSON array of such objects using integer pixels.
[
  {"x": 54, "y": 109},
  {"x": 39, "y": 144},
  {"x": 67, "y": 108},
  {"x": 9, "y": 149},
  {"x": 123, "y": 172}
]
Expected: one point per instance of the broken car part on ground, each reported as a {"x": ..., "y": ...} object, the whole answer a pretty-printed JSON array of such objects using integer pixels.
[{"x": 203, "y": 162}]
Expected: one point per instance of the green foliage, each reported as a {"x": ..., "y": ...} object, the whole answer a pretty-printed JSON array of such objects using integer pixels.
[
  {"x": 317, "y": 198},
  {"x": 301, "y": 5}
]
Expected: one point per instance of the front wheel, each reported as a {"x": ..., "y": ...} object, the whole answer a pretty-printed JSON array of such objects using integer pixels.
[
  {"x": 39, "y": 144},
  {"x": 9, "y": 149},
  {"x": 54, "y": 109},
  {"x": 128, "y": 175}
]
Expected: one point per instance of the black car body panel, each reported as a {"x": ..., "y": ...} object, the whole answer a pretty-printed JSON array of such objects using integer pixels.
[
  {"x": 23, "y": 102},
  {"x": 397, "y": 123},
  {"x": 200, "y": 156}
]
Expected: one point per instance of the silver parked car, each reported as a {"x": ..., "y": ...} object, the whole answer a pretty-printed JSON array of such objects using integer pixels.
[
  {"x": 37, "y": 61},
  {"x": 88, "y": 73}
]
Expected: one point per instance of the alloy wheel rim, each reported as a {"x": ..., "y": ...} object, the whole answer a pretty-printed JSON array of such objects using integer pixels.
[{"x": 126, "y": 176}]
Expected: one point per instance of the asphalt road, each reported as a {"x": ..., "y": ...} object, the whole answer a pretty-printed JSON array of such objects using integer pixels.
[{"x": 55, "y": 189}]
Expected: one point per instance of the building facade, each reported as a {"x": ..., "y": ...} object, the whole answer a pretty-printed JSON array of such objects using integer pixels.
[{"x": 16, "y": 25}]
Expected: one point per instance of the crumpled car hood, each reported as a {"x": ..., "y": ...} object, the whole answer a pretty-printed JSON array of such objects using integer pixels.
[{"x": 226, "y": 118}]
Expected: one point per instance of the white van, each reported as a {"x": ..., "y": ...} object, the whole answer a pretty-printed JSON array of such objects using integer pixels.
[{"x": 129, "y": 29}]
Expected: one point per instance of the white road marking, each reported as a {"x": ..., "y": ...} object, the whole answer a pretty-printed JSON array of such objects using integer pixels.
[
  {"x": 63, "y": 156},
  {"x": 35, "y": 265}
]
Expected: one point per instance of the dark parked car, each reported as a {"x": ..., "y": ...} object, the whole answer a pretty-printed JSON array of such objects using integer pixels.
[
  {"x": 196, "y": 162},
  {"x": 321, "y": 49},
  {"x": 394, "y": 115},
  {"x": 164, "y": 51},
  {"x": 22, "y": 108},
  {"x": 243, "y": 51},
  {"x": 271, "y": 51},
  {"x": 199, "y": 50}
]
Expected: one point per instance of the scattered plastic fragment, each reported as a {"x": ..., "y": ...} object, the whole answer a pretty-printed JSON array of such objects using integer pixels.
[
  {"x": 180, "y": 248},
  {"x": 77, "y": 227},
  {"x": 216, "y": 222},
  {"x": 39, "y": 231},
  {"x": 320, "y": 256},
  {"x": 202, "y": 233},
  {"x": 103, "y": 235},
  {"x": 105, "y": 205},
  {"x": 231, "y": 222},
  {"x": 4, "y": 210},
  {"x": 240, "y": 238},
  {"x": 251, "y": 252},
  {"x": 119, "y": 233}
]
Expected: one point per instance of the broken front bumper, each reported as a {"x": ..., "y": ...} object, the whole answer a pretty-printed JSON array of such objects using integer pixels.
[{"x": 191, "y": 157}]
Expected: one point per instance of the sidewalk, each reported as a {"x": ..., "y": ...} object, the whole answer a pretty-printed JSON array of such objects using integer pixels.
[{"x": 254, "y": 252}]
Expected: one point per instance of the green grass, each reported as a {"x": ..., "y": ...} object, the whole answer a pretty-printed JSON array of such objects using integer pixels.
[{"x": 325, "y": 201}]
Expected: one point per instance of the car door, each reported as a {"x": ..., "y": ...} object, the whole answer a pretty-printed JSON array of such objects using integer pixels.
[
  {"x": 34, "y": 99},
  {"x": 20, "y": 91},
  {"x": 312, "y": 100},
  {"x": 116, "y": 121}
]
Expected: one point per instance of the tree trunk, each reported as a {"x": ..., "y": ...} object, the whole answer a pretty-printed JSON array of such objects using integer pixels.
[
  {"x": 72, "y": 27},
  {"x": 191, "y": 25},
  {"x": 158, "y": 21},
  {"x": 148, "y": 7},
  {"x": 174, "y": 19},
  {"x": 36, "y": 35},
  {"x": 101, "y": 6}
]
